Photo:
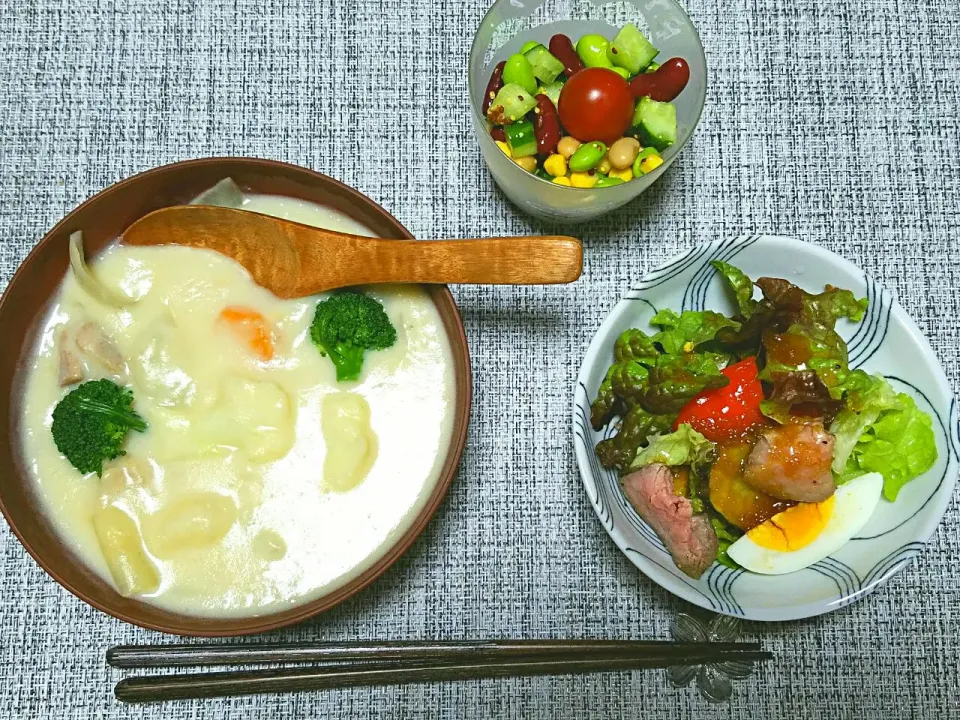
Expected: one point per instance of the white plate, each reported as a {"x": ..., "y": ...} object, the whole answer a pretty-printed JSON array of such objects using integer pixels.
[{"x": 887, "y": 341}]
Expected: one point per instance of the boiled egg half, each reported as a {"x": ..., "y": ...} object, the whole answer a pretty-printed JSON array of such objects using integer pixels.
[{"x": 807, "y": 533}]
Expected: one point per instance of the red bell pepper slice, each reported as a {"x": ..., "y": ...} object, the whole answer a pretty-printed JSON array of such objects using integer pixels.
[{"x": 728, "y": 412}]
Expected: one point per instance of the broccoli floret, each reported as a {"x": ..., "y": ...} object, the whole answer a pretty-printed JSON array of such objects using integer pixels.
[
  {"x": 347, "y": 324},
  {"x": 91, "y": 423}
]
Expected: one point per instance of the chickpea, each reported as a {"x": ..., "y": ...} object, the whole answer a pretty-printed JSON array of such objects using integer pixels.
[
  {"x": 568, "y": 146},
  {"x": 623, "y": 152},
  {"x": 528, "y": 163}
]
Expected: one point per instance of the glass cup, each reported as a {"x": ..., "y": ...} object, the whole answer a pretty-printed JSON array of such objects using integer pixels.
[{"x": 510, "y": 23}]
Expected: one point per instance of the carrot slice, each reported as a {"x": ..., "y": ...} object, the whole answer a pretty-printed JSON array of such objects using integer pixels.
[{"x": 251, "y": 327}]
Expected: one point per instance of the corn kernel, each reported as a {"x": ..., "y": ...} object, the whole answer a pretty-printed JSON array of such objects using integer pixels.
[
  {"x": 688, "y": 347},
  {"x": 583, "y": 179},
  {"x": 556, "y": 165},
  {"x": 649, "y": 164},
  {"x": 626, "y": 174},
  {"x": 506, "y": 148},
  {"x": 562, "y": 180},
  {"x": 604, "y": 166}
]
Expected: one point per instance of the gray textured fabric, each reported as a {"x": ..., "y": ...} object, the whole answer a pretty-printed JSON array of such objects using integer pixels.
[{"x": 836, "y": 122}]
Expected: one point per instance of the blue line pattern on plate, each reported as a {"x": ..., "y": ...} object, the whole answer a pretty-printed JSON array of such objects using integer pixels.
[
  {"x": 703, "y": 272},
  {"x": 955, "y": 428},
  {"x": 857, "y": 338},
  {"x": 863, "y": 346},
  {"x": 699, "y": 293},
  {"x": 669, "y": 272},
  {"x": 585, "y": 437},
  {"x": 891, "y": 563},
  {"x": 714, "y": 602},
  {"x": 828, "y": 573},
  {"x": 720, "y": 580}
]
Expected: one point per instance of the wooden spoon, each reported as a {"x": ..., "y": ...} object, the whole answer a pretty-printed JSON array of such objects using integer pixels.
[{"x": 293, "y": 260}]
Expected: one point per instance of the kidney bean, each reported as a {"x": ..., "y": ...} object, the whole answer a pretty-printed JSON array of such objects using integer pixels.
[
  {"x": 562, "y": 48},
  {"x": 665, "y": 83},
  {"x": 493, "y": 86},
  {"x": 498, "y": 134},
  {"x": 546, "y": 126}
]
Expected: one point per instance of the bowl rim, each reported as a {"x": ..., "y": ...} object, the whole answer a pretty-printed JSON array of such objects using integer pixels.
[
  {"x": 234, "y": 626},
  {"x": 667, "y": 580},
  {"x": 481, "y": 120}
]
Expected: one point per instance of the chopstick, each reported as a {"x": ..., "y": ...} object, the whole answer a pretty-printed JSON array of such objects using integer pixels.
[
  {"x": 390, "y": 663},
  {"x": 282, "y": 680},
  {"x": 209, "y": 654}
]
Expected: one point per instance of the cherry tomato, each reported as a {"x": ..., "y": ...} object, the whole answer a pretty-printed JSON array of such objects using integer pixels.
[
  {"x": 727, "y": 412},
  {"x": 664, "y": 83},
  {"x": 596, "y": 104}
]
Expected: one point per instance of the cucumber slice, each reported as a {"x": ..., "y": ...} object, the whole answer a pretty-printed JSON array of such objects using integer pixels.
[
  {"x": 521, "y": 139},
  {"x": 631, "y": 50},
  {"x": 552, "y": 91},
  {"x": 546, "y": 67},
  {"x": 655, "y": 123},
  {"x": 510, "y": 105}
]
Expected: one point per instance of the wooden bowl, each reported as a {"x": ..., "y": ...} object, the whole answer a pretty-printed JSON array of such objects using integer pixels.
[{"x": 24, "y": 305}]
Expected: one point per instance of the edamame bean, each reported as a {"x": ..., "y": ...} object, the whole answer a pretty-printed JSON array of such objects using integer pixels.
[
  {"x": 608, "y": 182},
  {"x": 645, "y": 153},
  {"x": 519, "y": 70},
  {"x": 587, "y": 156},
  {"x": 622, "y": 72},
  {"x": 528, "y": 45},
  {"x": 592, "y": 49},
  {"x": 623, "y": 152}
]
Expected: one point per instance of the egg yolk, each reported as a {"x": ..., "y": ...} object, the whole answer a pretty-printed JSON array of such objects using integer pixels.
[{"x": 794, "y": 528}]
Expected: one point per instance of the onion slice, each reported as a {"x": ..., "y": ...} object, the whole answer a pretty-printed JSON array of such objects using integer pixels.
[
  {"x": 225, "y": 193},
  {"x": 88, "y": 281}
]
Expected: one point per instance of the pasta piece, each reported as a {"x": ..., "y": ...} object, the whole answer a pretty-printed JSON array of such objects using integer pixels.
[
  {"x": 253, "y": 417},
  {"x": 194, "y": 522},
  {"x": 249, "y": 493},
  {"x": 268, "y": 545},
  {"x": 132, "y": 571},
  {"x": 351, "y": 442},
  {"x": 167, "y": 371}
]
